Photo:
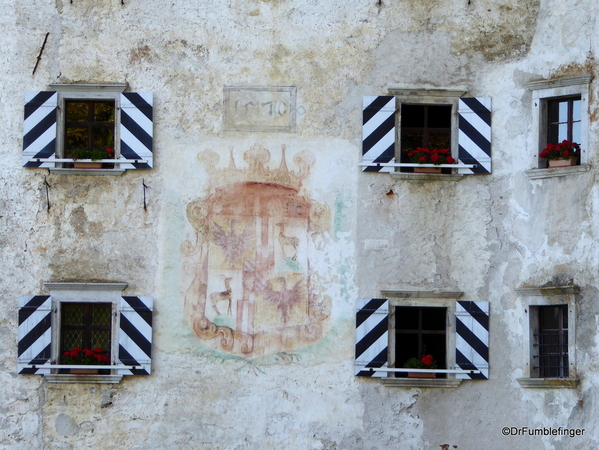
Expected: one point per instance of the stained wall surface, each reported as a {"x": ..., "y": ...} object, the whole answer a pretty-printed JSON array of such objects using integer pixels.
[{"x": 256, "y": 231}]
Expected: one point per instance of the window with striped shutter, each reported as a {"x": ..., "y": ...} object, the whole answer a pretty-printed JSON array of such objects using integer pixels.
[
  {"x": 135, "y": 334},
  {"x": 131, "y": 330},
  {"x": 472, "y": 128},
  {"x": 44, "y": 135},
  {"x": 372, "y": 336},
  {"x": 34, "y": 334},
  {"x": 471, "y": 339}
]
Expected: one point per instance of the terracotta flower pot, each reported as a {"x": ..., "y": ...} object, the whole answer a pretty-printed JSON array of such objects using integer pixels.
[
  {"x": 561, "y": 162},
  {"x": 427, "y": 170},
  {"x": 87, "y": 165},
  {"x": 421, "y": 375}
]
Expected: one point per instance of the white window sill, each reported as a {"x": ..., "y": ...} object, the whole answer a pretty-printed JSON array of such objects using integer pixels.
[
  {"x": 83, "y": 379},
  {"x": 535, "y": 174},
  {"x": 421, "y": 382},
  {"x": 548, "y": 383}
]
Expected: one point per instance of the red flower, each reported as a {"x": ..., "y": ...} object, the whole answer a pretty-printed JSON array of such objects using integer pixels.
[
  {"x": 449, "y": 160},
  {"x": 427, "y": 360},
  {"x": 98, "y": 350},
  {"x": 109, "y": 150}
]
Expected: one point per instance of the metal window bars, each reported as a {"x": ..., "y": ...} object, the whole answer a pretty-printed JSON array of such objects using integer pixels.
[{"x": 552, "y": 359}]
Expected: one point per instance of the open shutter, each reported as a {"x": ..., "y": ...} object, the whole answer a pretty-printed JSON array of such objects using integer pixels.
[
  {"x": 372, "y": 336},
  {"x": 472, "y": 339},
  {"x": 378, "y": 132},
  {"x": 136, "y": 130},
  {"x": 39, "y": 127},
  {"x": 135, "y": 334},
  {"x": 35, "y": 333},
  {"x": 474, "y": 138}
]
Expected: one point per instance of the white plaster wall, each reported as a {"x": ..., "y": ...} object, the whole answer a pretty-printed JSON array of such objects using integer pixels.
[{"x": 484, "y": 235}]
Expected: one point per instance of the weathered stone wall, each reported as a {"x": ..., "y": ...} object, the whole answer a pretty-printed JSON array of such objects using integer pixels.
[{"x": 357, "y": 233}]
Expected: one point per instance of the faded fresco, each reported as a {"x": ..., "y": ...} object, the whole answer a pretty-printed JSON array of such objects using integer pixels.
[{"x": 251, "y": 289}]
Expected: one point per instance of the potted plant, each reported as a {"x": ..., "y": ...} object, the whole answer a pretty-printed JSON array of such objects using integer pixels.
[
  {"x": 85, "y": 357},
  {"x": 426, "y": 362},
  {"x": 430, "y": 156},
  {"x": 563, "y": 154},
  {"x": 93, "y": 154}
]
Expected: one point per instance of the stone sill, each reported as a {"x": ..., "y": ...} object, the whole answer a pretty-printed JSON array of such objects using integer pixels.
[
  {"x": 421, "y": 382},
  {"x": 83, "y": 379},
  {"x": 548, "y": 383},
  {"x": 426, "y": 176},
  {"x": 63, "y": 171},
  {"x": 535, "y": 174}
]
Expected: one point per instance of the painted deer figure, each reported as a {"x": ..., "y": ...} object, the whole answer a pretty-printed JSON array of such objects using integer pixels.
[
  {"x": 287, "y": 243},
  {"x": 226, "y": 295}
]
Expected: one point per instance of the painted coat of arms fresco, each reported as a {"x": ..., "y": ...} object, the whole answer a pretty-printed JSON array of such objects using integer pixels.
[{"x": 252, "y": 291}]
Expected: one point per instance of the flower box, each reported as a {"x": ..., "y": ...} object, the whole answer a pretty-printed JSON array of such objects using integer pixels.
[{"x": 421, "y": 375}]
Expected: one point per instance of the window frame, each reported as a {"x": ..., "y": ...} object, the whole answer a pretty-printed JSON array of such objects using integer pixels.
[
  {"x": 544, "y": 91},
  {"x": 532, "y": 299},
  {"x": 44, "y": 128},
  {"x": 87, "y": 92},
  {"x": 375, "y": 337},
  {"x": 450, "y": 311},
  {"x": 40, "y": 328},
  {"x": 470, "y": 129},
  {"x": 427, "y": 97}
]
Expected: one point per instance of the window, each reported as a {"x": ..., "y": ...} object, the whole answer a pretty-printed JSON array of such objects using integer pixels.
[
  {"x": 75, "y": 118},
  {"x": 85, "y": 325},
  {"x": 420, "y": 331},
  {"x": 89, "y": 316},
  {"x": 549, "y": 329},
  {"x": 434, "y": 119},
  {"x": 408, "y": 324},
  {"x": 549, "y": 337},
  {"x": 560, "y": 112}
]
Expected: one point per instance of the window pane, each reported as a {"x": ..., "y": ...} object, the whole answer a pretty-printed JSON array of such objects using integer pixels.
[
  {"x": 412, "y": 116},
  {"x": 103, "y": 138},
  {"x": 576, "y": 132},
  {"x": 439, "y": 140},
  {"x": 433, "y": 319},
  {"x": 101, "y": 314},
  {"x": 72, "y": 313},
  {"x": 76, "y": 111},
  {"x": 563, "y": 112},
  {"x": 104, "y": 112},
  {"x": 411, "y": 140},
  {"x": 75, "y": 138},
  {"x": 576, "y": 105},
  {"x": 439, "y": 116},
  {"x": 562, "y": 133},
  {"x": 406, "y": 318}
]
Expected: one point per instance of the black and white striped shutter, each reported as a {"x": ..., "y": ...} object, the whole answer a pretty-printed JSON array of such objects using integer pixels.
[
  {"x": 136, "y": 130},
  {"x": 35, "y": 333},
  {"x": 378, "y": 132},
  {"x": 39, "y": 128},
  {"x": 135, "y": 334},
  {"x": 474, "y": 138},
  {"x": 372, "y": 336},
  {"x": 472, "y": 339}
]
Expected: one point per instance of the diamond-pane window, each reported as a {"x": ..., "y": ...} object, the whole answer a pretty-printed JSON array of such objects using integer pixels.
[{"x": 86, "y": 325}]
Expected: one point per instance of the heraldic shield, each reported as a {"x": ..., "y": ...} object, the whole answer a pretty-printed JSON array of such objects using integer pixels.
[{"x": 252, "y": 292}]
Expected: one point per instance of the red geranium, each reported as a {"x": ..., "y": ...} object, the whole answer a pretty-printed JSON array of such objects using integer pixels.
[
  {"x": 85, "y": 357},
  {"x": 430, "y": 156},
  {"x": 563, "y": 150}
]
